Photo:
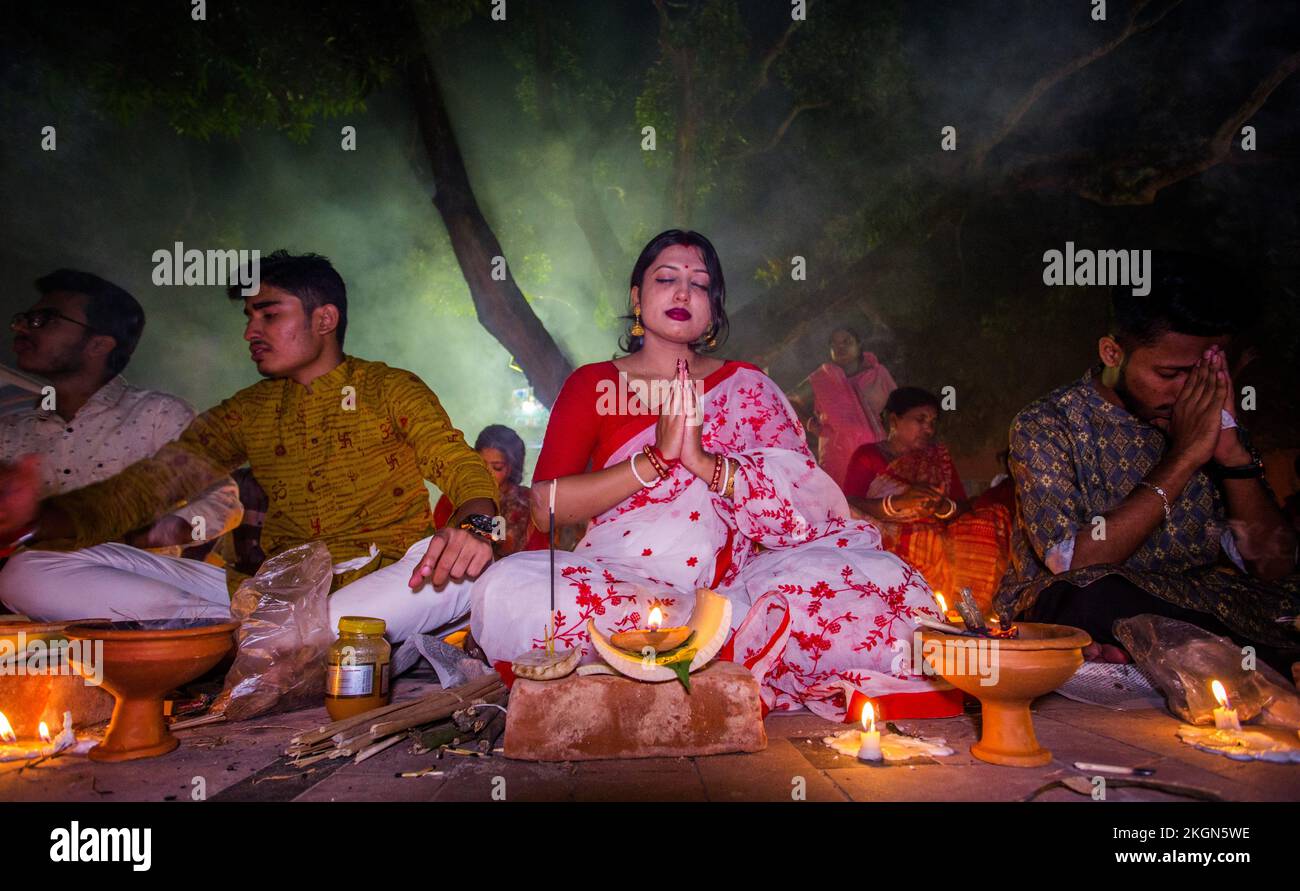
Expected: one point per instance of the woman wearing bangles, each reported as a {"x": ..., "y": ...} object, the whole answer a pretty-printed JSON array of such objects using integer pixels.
[
  {"x": 691, "y": 471},
  {"x": 909, "y": 484}
]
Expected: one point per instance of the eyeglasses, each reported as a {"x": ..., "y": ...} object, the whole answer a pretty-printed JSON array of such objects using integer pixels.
[{"x": 36, "y": 319}]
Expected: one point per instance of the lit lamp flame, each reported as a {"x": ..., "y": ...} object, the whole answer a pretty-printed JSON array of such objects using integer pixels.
[
  {"x": 6, "y": 730},
  {"x": 868, "y": 717},
  {"x": 44, "y": 732},
  {"x": 1220, "y": 694},
  {"x": 943, "y": 604},
  {"x": 656, "y": 618}
]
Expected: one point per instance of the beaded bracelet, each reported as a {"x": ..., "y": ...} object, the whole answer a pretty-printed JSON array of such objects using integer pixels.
[
  {"x": 661, "y": 467},
  {"x": 717, "y": 473}
]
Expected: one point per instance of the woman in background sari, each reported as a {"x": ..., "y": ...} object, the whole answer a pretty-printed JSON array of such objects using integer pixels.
[
  {"x": 503, "y": 452},
  {"x": 730, "y": 499},
  {"x": 844, "y": 398},
  {"x": 907, "y": 482}
]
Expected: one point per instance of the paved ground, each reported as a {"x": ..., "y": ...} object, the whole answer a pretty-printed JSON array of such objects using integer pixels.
[{"x": 243, "y": 762}]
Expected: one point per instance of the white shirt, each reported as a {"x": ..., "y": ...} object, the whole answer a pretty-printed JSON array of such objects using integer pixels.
[{"x": 119, "y": 425}]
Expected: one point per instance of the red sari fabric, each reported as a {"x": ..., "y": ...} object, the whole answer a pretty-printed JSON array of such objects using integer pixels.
[{"x": 970, "y": 551}]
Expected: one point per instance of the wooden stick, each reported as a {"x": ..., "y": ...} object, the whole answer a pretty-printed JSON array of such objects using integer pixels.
[
  {"x": 436, "y": 737},
  {"x": 371, "y": 751},
  {"x": 325, "y": 731},
  {"x": 196, "y": 722},
  {"x": 493, "y": 729},
  {"x": 424, "y": 714},
  {"x": 464, "y": 692}
]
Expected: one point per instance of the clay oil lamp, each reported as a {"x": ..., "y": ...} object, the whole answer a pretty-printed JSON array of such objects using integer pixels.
[
  {"x": 142, "y": 662},
  {"x": 1006, "y": 675},
  {"x": 951, "y": 616},
  {"x": 654, "y": 636}
]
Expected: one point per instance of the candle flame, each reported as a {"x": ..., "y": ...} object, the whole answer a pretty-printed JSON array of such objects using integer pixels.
[
  {"x": 44, "y": 732},
  {"x": 868, "y": 717},
  {"x": 1219, "y": 693},
  {"x": 6, "y": 729},
  {"x": 943, "y": 604},
  {"x": 656, "y": 618}
]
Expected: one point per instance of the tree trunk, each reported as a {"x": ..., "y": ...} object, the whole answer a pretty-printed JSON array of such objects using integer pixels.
[{"x": 500, "y": 305}]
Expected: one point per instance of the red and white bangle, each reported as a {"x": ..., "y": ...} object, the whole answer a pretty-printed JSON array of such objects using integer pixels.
[{"x": 717, "y": 474}]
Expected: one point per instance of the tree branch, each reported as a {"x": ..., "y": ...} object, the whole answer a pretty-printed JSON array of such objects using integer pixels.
[
  {"x": 1138, "y": 177},
  {"x": 1132, "y": 27},
  {"x": 779, "y": 133}
]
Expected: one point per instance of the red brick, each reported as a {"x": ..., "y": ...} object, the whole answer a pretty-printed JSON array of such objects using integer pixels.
[{"x": 601, "y": 716}]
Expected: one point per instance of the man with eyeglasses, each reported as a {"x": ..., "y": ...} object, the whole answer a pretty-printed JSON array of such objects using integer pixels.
[
  {"x": 342, "y": 447},
  {"x": 79, "y": 336}
]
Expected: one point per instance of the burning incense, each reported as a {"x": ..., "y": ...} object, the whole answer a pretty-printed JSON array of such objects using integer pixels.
[{"x": 550, "y": 625}]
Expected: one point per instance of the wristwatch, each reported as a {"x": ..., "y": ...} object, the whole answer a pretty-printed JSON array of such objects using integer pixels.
[
  {"x": 1252, "y": 471},
  {"x": 481, "y": 525}
]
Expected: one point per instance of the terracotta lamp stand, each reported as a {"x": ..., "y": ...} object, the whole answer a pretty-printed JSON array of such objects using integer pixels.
[
  {"x": 1033, "y": 665},
  {"x": 141, "y": 664}
]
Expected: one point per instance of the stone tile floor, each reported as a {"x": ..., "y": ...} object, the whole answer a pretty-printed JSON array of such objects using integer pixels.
[{"x": 241, "y": 762}]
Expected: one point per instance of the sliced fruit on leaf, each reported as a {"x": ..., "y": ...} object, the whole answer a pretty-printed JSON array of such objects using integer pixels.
[{"x": 710, "y": 623}]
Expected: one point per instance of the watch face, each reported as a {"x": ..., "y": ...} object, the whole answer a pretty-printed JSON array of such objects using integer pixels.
[{"x": 484, "y": 525}]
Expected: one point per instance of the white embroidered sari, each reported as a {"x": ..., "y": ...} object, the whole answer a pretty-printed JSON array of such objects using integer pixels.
[{"x": 821, "y": 614}]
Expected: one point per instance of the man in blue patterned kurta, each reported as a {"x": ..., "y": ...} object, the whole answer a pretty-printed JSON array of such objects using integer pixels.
[{"x": 1137, "y": 491}]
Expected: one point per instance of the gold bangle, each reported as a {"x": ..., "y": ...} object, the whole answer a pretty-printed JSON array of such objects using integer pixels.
[
  {"x": 887, "y": 505},
  {"x": 731, "y": 482}
]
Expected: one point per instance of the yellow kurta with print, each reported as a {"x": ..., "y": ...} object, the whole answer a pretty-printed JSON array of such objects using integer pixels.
[{"x": 342, "y": 462}]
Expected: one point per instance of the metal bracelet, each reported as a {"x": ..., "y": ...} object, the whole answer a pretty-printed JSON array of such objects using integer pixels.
[{"x": 1164, "y": 499}]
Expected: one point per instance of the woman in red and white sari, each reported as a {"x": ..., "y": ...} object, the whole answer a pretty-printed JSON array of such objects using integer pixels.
[{"x": 821, "y": 614}]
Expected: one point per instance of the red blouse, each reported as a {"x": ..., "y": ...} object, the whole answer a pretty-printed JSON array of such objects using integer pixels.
[{"x": 579, "y": 437}]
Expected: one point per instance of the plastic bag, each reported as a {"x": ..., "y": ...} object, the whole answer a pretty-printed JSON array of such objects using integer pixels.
[
  {"x": 1183, "y": 659},
  {"x": 285, "y": 636}
]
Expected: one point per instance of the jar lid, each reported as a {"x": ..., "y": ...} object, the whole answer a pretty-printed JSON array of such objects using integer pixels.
[{"x": 361, "y": 625}]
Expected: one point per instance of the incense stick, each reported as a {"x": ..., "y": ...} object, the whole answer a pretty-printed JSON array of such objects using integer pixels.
[{"x": 550, "y": 623}]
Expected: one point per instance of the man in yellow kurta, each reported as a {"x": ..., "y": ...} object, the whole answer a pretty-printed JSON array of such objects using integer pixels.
[{"x": 342, "y": 447}]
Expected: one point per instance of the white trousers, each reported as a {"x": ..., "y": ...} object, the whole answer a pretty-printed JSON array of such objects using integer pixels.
[{"x": 116, "y": 581}]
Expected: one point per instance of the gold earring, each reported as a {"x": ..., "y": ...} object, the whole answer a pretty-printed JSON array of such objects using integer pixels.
[
  {"x": 712, "y": 340},
  {"x": 637, "y": 330}
]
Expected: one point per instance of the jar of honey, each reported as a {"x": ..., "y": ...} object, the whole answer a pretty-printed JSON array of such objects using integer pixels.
[{"x": 356, "y": 677}]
